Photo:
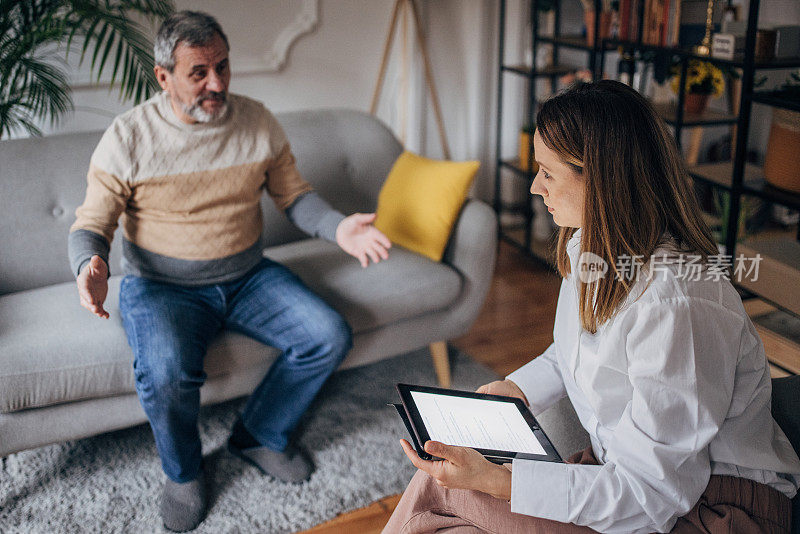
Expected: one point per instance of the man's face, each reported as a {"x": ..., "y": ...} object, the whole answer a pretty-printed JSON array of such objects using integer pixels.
[{"x": 198, "y": 86}]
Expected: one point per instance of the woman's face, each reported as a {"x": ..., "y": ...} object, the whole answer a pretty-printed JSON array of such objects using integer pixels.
[{"x": 559, "y": 185}]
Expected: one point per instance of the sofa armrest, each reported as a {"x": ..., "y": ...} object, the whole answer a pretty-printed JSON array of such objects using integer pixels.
[{"x": 471, "y": 251}]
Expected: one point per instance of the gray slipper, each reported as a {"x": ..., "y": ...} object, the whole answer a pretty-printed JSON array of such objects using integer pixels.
[
  {"x": 183, "y": 506},
  {"x": 291, "y": 465}
]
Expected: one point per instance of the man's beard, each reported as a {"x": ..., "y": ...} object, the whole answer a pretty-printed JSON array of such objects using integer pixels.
[{"x": 196, "y": 111}]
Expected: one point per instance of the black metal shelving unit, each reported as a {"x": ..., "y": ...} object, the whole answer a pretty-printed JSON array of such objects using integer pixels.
[
  {"x": 736, "y": 177},
  {"x": 531, "y": 73}
]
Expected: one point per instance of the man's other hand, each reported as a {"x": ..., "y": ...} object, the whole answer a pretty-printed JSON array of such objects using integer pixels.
[
  {"x": 356, "y": 236},
  {"x": 93, "y": 286}
]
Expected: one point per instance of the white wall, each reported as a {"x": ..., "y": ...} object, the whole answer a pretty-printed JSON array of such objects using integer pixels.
[{"x": 337, "y": 66}]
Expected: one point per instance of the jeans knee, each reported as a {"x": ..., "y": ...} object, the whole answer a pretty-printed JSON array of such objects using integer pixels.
[
  {"x": 330, "y": 338},
  {"x": 166, "y": 381},
  {"x": 339, "y": 337}
]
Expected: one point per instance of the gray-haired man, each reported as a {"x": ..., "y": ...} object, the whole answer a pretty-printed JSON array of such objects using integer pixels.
[{"x": 186, "y": 171}]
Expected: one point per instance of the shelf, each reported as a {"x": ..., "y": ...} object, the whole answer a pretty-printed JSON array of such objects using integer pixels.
[
  {"x": 569, "y": 41},
  {"x": 736, "y": 62},
  {"x": 513, "y": 164},
  {"x": 780, "y": 334},
  {"x": 519, "y": 208},
  {"x": 615, "y": 43},
  {"x": 777, "y": 372},
  {"x": 668, "y": 110},
  {"x": 762, "y": 189},
  {"x": 721, "y": 175},
  {"x": 773, "y": 98},
  {"x": 546, "y": 72},
  {"x": 779, "y": 271},
  {"x": 543, "y": 251},
  {"x": 774, "y": 63}
]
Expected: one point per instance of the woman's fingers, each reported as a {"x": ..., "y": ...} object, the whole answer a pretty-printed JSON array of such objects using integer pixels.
[
  {"x": 448, "y": 452},
  {"x": 418, "y": 462}
]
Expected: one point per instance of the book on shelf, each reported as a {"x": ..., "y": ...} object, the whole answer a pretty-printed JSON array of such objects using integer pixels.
[
  {"x": 665, "y": 23},
  {"x": 659, "y": 23},
  {"x": 624, "y": 19}
]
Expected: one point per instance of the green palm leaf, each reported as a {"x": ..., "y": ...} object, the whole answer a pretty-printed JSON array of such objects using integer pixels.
[{"x": 36, "y": 35}]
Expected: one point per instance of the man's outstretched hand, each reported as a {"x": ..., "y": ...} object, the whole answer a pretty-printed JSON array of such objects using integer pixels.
[
  {"x": 93, "y": 286},
  {"x": 356, "y": 235}
]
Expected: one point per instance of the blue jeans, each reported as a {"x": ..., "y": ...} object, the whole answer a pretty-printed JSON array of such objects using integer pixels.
[{"x": 169, "y": 328}]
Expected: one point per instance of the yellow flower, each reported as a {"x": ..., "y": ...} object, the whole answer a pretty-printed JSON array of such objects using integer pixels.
[{"x": 701, "y": 77}]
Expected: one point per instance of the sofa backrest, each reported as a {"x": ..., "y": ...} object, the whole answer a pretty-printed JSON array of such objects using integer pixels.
[{"x": 345, "y": 154}]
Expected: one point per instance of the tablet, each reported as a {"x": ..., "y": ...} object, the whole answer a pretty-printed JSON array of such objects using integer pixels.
[{"x": 501, "y": 428}]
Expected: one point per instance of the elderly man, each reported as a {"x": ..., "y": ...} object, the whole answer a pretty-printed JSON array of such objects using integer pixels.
[{"x": 187, "y": 169}]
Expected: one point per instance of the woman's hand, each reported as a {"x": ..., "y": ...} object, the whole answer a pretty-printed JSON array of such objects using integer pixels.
[
  {"x": 462, "y": 468},
  {"x": 503, "y": 387}
]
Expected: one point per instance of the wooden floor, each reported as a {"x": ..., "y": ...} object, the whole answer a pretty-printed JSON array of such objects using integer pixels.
[{"x": 516, "y": 323}]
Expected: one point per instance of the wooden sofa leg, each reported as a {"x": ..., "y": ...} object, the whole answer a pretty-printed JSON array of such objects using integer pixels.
[{"x": 441, "y": 362}]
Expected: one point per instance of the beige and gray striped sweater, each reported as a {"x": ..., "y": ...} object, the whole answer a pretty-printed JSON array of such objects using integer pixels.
[{"x": 188, "y": 194}]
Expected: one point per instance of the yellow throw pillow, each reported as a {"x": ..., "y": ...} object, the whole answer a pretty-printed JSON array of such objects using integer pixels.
[{"x": 420, "y": 200}]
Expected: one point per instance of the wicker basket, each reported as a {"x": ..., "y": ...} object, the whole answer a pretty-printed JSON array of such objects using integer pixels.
[{"x": 781, "y": 168}]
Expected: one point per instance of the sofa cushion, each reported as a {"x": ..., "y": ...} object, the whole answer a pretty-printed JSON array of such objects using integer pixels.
[
  {"x": 78, "y": 356},
  {"x": 404, "y": 286},
  {"x": 62, "y": 362},
  {"x": 420, "y": 200}
]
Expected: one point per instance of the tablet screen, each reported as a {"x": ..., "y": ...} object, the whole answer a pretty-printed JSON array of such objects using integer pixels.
[{"x": 476, "y": 423}]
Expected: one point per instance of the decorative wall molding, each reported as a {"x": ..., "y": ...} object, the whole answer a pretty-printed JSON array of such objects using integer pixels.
[
  {"x": 274, "y": 59},
  {"x": 252, "y": 61}
]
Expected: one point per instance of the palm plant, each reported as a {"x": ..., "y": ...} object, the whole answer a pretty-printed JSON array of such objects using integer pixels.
[{"x": 36, "y": 37}]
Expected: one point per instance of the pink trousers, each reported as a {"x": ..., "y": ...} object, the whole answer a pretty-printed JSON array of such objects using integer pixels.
[{"x": 728, "y": 505}]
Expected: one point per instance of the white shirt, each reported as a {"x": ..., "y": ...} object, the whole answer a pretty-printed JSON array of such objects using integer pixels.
[{"x": 674, "y": 388}]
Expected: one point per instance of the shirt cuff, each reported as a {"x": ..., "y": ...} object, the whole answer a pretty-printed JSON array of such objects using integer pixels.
[
  {"x": 541, "y": 384},
  {"x": 540, "y": 489}
]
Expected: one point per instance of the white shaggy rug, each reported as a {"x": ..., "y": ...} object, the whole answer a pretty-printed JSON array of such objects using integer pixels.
[{"x": 112, "y": 482}]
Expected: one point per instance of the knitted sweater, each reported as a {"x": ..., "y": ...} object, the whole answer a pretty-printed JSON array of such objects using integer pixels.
[{"x": 189, "y": 194}]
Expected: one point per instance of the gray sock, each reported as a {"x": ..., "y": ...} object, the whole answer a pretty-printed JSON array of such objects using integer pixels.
[
  {"x": 183, "y": 506},
  {"x": 291, "y": 465}
]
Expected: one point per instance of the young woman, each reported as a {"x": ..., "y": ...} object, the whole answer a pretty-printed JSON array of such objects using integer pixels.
[{"x": 657, "y": 355}]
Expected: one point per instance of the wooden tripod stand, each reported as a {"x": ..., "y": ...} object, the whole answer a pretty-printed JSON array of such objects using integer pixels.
[{"x": 403, "y": 8}]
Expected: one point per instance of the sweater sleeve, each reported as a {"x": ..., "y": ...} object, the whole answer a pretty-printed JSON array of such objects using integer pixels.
[
  {"x": 107, "y": 195},
  {"x": 284, "y": 184},
  {"x": 313, "y": 215}
]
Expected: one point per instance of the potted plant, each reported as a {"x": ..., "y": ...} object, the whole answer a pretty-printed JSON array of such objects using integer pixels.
[
  {"x": 722, "y": 205},
  {"x": 525, "y": 147},
  {"x": 33, "y": 33},
  {"x": 703, "y": 80},
  {"x": 780, "y": 162}
]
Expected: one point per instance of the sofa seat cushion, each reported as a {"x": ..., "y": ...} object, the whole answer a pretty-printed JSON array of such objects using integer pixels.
[
  {"x": 404, "y": 286},
  {"x": 53, "y": 351}
]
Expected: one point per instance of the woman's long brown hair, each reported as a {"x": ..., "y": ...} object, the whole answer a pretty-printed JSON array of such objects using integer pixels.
[{"x": 637, "y": 189}]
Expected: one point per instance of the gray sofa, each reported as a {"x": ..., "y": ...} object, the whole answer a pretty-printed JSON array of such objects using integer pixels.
[{"x": 65, "y": 374}]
